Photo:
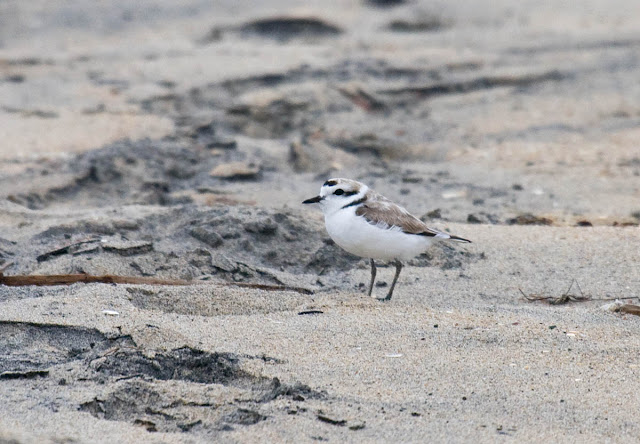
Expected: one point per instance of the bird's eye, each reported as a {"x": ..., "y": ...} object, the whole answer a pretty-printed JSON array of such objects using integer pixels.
[{"x": 339, "y": 192}]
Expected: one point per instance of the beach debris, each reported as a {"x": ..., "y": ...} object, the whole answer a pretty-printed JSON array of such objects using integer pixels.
[
  {"x": 92, "y": 244},
  {"x": 268, "y": 287},
  {"x": 358, "y": 425},
  {"x": 393, "y": 355},
  {"x": 630, "y": 309},
  {"x": 615, "y": 305},
  {"x": 110, "y": 313},
  {"x": 563, "y": 299},
  {"x": 618, "y": 306},
  {"x": 311, "y": 312},
  {"x": 70, "y": 279},
  {"x": 529, "y": 219},
  {"x": 335, "y": 422},
  {"x": 70, "y": 248}
]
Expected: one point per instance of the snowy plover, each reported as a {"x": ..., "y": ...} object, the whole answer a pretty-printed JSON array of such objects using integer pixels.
[{"x": 369, "y": 225}]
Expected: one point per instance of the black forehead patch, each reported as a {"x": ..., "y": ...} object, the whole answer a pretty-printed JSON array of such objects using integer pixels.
[{"x": 330, "y": 183}]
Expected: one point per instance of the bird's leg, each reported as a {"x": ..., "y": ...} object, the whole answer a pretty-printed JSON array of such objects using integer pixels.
[
  {"x": 373, "y": 276},
  {"x": 395, "y": 279}
]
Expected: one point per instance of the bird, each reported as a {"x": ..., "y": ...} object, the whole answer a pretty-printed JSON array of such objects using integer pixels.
[{"x": 367, "y": 224}]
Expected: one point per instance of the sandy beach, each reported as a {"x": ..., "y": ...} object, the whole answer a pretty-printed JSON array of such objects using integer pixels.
[{"x": 175, "y": 143}]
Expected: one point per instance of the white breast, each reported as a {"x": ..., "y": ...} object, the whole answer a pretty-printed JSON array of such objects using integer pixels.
[{"x": 357, "y": 236}]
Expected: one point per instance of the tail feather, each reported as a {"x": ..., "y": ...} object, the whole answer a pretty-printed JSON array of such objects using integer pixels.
[
  {"x": 459, "y": 239},
  {"x": 447, "y": 236}
]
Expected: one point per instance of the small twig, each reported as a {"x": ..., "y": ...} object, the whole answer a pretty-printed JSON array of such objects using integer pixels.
[
  {"x": 532, "y": 297},
  {"x": 136, "y": 375},
  {"x": 69, "y": 279},
  {"x": 579, "y": 288},
  {"x": 563, "y": 299},
  {"x": 614, "y": 299},
  {"x": 268, "y": 287},
  {"x": 569, "y": 289},
  {"x": 566, "y": 297}
]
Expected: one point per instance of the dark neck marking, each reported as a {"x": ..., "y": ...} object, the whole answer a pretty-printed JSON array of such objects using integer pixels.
[{"x": 355, "y": 202}]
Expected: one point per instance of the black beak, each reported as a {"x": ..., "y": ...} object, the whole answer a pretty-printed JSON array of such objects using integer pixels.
[{"x": 313, "y": 200}]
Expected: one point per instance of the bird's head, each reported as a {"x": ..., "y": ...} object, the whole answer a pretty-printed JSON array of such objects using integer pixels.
[{"x": 338, "y": 193}]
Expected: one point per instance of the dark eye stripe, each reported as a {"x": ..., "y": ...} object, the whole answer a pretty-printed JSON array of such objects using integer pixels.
[{"x": 340, "y": 192}]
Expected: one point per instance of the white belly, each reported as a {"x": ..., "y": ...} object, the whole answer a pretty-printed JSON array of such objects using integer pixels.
[{"x": 357, "y": 236}]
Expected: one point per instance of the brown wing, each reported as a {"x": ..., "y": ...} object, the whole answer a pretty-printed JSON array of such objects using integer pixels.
[{"x": 380, "y": 211}]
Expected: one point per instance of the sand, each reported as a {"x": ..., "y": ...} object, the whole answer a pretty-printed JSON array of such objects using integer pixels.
[{"x": 178, "y": 141}]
